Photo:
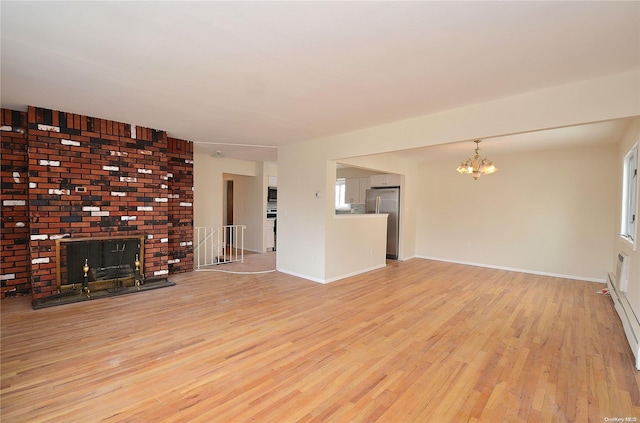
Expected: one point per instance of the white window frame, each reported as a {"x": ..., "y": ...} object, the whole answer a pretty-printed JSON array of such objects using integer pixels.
[
  {"x": 341, "y": 185},
  {"x": 629, "y": 215}
]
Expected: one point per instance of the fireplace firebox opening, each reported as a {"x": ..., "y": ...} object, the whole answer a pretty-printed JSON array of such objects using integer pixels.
[{"x": 99, "y": 263}]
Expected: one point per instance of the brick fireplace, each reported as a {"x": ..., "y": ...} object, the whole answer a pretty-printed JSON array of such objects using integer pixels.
[
  {"x": 99, "y": 263},
  {"x": 67, "y": 176}
]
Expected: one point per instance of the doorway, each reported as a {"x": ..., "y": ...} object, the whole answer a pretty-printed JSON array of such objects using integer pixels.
[
  {"x": 227, "y": 215},
  {"x": 228, "y": 203}
]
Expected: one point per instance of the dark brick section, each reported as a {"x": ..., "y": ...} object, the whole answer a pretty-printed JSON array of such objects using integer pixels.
[
  {"x": 180, "y": 165},
  {"x": 85, "y": 177},
  {"x": 15, "y": 265}
]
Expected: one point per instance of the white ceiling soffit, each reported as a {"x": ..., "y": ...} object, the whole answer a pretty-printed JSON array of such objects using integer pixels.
[
  {"x": 600, "y": 133},
  {"x": 275, "y": 73}
]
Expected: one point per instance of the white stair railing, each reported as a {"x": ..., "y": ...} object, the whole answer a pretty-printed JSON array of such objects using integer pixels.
[{"x": 218, "y": 245}]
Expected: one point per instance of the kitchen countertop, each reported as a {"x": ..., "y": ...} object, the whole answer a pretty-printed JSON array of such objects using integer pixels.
[{"x": 359, "y": 215}]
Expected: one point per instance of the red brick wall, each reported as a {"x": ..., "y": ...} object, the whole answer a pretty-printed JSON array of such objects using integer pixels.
[
  {"x": 15, "y": 265},
  {"x": 96, "y": 177},
  {"x": 180, "y": 155}
]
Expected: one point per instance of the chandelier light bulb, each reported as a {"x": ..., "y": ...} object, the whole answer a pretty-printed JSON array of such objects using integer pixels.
[{"x": 477, "y": 166}]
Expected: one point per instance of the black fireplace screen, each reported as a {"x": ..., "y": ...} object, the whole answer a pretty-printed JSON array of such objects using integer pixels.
[{"x": 106, "y": 258}]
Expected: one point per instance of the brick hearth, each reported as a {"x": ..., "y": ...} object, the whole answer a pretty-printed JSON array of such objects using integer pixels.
[{"x": 66, "y": 175}]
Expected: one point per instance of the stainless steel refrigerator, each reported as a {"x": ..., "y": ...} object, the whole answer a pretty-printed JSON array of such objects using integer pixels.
[{"x": 387, "y": 200}]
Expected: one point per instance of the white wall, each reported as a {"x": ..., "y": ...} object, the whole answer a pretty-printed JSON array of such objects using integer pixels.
[
  {"x": 208, "y": 185},
  {"x": 249, "y": 195},
  {"x": 303, "y": 199},
  {"x": 632, "y": 135},
  {"x": 303, "y": 168},
  {"x": 354, "y": 172},
  {"x": 362, "y": 238},
  {"x": 549, "y": 212},
  {"x": 249, "y": 209}
]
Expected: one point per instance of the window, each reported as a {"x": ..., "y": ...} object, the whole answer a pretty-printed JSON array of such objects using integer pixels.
[
  {"x": 340, "y": 194},
  {"x": 629, "y": 197}
]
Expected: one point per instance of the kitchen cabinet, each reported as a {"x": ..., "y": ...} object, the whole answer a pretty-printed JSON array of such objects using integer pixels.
[
  {"x": 351, "y": 190},
  {"x": 364, "y": 186},
  {"x": 355, "y": 190},
  {"x": 271, "y": 234},
  {"x": 385, "y": 180}
]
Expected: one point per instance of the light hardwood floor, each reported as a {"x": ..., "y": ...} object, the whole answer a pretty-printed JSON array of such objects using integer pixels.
[{"x": 417, "y": 341}]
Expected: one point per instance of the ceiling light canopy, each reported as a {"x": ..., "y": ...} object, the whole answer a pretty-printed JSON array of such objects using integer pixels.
[{"x": 477, "y": 166}]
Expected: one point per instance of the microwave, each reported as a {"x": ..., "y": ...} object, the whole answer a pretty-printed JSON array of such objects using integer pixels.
[{"x": 272, "y": 194}]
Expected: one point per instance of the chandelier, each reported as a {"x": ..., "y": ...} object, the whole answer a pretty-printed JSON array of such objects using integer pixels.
[{"x": 477, "y": 166}]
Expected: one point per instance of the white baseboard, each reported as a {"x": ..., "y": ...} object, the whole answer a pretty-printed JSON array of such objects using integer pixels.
[
  {"x": 355, "y": 273},
  {"x": 512, "y": 269},
  {"x": 324, "y": 281},
  {"x": 407, "y": 258},
  {"x": 629, "y": 319},
  {"x": 299, "y": 275}
]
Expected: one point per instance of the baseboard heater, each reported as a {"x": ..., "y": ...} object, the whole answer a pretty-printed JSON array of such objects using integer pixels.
[{"x": 617, "y": 284}]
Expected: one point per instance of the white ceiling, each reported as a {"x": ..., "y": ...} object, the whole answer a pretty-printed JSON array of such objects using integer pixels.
[{"x": 267, "y": 74}]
